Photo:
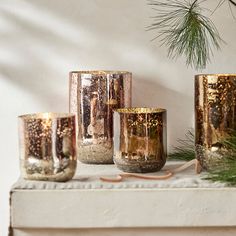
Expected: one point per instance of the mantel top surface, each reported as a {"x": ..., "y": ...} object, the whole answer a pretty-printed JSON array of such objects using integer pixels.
[{"x": 87, "y": 177}]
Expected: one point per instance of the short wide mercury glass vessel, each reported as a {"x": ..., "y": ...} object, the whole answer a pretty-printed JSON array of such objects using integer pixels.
[
  {"x": 93, "y": 96},
  {"x": 215, "y": 115},
  {"x": 47, "y": 146},
  {"x": 140, "y": 139}
]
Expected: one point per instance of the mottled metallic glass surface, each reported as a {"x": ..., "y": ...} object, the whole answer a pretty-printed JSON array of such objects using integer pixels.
[
  {"x": 215, "y": 115},
  {"x": 93, "y": 96},
  {"x": 47, "y": 146},
  {"x": 140, "y": 139}
]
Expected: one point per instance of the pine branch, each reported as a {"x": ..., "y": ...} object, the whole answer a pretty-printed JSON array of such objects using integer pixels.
[
  {"x": 185, "y": 31},
  {"x": 223, "y": 170},
  {"x": 185, "y": 151}
]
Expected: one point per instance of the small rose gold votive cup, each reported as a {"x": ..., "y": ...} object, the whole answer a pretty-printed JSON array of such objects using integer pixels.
[
  {"x": 140, "y": 139},
  {"x": 47, "y": 146}
]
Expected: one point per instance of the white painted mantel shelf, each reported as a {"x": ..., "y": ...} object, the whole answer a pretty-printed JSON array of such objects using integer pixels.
[{"x": 182, "y": 205}]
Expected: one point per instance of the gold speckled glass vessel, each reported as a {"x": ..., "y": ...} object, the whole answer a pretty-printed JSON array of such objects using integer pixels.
[
  {"x": 47, "y": 146},
  {"x": 93, "y": 96},
  {"x": 215, "y": 115},
  {"x": 140, "y": 139}
]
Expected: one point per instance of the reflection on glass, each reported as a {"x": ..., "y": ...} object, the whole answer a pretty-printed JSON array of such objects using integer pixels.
[{"x": 140, "y": 139}]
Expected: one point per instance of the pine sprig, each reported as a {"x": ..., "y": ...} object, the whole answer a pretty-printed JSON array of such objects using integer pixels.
[
  {"x": 184, "y": 30},
  {"x": 185, "y": 151},
  {"x": 223, "y": 170}
]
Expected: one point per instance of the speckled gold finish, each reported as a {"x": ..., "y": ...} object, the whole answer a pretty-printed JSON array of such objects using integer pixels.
[
  {"x": 140, "y": 139},
  {"x": 215, "y": 115},
  {"x": 93, "y": 96},
  {"x": 47, "y": 146}
]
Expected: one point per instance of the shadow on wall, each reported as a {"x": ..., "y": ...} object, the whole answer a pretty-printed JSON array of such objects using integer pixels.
[
  {"x": 44, "y": 40},
  {"x": 179, "y": 106}
]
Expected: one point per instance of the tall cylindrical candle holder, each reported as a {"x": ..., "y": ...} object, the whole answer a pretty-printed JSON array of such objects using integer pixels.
[
  {"x": 93, "y": 96},
  {"x": 47, "y": 146},
  {"x": 140, "y": 139},
  {"x": 215, "y": 115}
]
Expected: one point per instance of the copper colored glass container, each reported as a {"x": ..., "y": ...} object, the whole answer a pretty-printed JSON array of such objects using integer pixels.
[
  {"x": 140, "y": 139},
  {"x": 215, "y": 115},
  {"x": 93, "y": 96},
  {"x": 47, "y": 146}
]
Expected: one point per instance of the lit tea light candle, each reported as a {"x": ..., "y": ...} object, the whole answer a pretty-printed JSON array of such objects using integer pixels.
[{"x": 47, "y": 146}]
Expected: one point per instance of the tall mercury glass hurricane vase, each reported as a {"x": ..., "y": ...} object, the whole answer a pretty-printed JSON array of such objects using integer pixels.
[
  {"x": 215, "y": 116},
  {"x": 93, "y": 96}
]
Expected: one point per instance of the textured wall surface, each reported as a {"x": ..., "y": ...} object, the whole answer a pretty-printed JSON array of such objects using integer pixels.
[{"x": 42, "y": 40}]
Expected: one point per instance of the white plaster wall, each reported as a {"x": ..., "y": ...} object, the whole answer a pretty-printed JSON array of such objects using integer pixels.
[{"x": 42, "y": 40}]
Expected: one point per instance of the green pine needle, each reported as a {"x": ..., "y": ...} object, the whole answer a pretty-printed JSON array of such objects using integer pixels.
[
  {"x": 223, "y": 170},
  {"x": 186, "y": 149},
  {"x": 184, "y": 30}
]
